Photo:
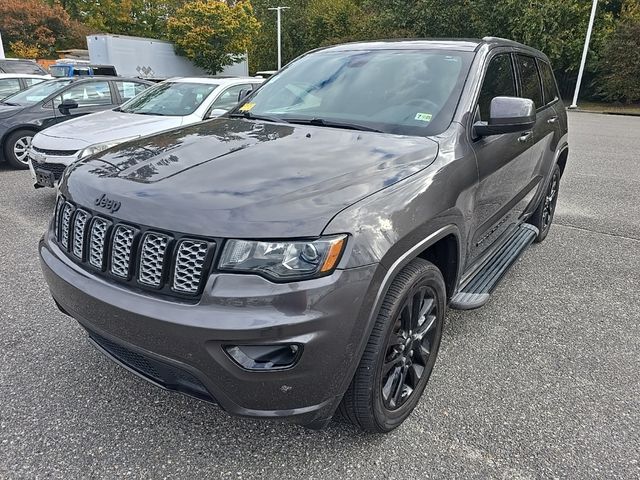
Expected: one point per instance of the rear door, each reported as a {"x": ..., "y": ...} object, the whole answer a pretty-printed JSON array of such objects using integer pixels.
[
  {"x": 91, "y": 96},
  {"x": 504, "y": 162},
  {"x": 546, "y": 131}
]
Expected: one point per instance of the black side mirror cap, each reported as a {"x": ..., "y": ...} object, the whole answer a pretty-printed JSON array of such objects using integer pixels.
[
  {"x": 507, "y": 115},
  {"x": 67, "y": 105}
]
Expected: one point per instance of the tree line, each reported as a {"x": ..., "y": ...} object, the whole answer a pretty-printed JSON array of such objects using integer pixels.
[{"x": 213, "y": 33}]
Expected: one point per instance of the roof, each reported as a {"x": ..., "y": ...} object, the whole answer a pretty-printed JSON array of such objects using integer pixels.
[
  {"x": 214, "y": 80},
  {"x": 24, "y": 75},
  {"x": 460, "y": 44}
]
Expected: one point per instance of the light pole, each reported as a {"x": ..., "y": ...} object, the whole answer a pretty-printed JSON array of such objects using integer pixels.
[
  {"x": 279, "y": 11},
  {"x": 594, "y": 7}
]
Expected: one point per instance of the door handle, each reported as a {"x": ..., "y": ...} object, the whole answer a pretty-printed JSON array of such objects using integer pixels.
[
  {"x": 552, "y": 120},
  {"x": 525, "y": 137}
]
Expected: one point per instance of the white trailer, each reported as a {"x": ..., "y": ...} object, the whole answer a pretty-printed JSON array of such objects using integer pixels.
[{"x": 148, "y": 58}]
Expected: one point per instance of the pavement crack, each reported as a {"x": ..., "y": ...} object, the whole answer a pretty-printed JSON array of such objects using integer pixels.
[{"x": 566, "y": 225}]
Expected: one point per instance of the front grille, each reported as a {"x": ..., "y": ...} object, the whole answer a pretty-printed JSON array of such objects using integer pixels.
[
  {"x": 121, "y": 250},
  {"x": 165, "y": 262},
  {"x": 152, "y": 259},
  {"x": 79, "y": 229},
  {"x": 55, "y": 153},
  {"x": 56, "y": 168},
  {"x": 167, "y": 375},
  {"x": 188, "y": 271}
]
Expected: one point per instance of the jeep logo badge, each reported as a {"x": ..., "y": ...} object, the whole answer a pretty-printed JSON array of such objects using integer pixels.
[{"x": 107, "y": 204}]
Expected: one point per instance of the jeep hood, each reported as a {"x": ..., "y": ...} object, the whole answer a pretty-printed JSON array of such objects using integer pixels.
[{"x": 239, "y": 178}]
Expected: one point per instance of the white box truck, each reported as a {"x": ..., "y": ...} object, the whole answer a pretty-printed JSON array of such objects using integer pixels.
[{"x": 148, "y": 58}]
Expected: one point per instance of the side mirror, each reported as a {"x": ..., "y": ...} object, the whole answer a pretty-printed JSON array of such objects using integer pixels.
[
  {"x": 507, "y": 115},
  {"x": 67, "y": 105},
  {"x": 216, "y": 112},
  {"x": 244, "y": 93}
]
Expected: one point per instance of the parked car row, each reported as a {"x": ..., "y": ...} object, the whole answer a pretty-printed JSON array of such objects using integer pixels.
[{"x": 73, "y": 117}]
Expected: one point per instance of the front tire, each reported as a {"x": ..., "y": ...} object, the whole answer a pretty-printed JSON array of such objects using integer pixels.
[
  {"x": 543, "y": 216},
  {"x": 401, "y": 351},
  {"x": 16, "y": 148}
]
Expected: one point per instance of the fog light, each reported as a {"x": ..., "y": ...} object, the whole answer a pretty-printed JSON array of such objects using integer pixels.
[{"x": 265, "y": 357}]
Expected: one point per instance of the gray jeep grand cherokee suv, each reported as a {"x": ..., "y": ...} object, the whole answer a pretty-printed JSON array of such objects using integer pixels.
[{"x": 295, "y": 258}]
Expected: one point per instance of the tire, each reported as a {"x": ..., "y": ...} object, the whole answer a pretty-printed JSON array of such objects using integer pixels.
[
  {"x": 376, "y": 401},
  {"x": 543, "y": 216},
  {"x": 16, "y": 146}
]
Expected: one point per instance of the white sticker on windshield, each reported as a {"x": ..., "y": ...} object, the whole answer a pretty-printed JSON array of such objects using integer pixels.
[{"x": 424, "y": 117}]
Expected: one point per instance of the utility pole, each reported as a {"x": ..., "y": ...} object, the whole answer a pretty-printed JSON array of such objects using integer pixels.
[
  {"x": 594, "y": 7},
  {"x": 279, "y": 11},
  {"x": 1, "y": 47}
]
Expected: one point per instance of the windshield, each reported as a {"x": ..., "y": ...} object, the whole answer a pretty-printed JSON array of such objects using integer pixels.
[
  {"x": 170, "y": 98},
  {"x": 38, "y": 92},
  {"x": 407, "y": 92}
]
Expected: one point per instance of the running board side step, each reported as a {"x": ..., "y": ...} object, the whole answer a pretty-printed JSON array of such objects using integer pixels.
[{"x": 476, "y": 291}]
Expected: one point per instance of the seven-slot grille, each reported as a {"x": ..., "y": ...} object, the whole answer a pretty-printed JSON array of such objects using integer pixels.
[{"x": 148, "y": 258}]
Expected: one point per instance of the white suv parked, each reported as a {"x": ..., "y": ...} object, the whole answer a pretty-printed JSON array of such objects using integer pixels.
[{"x": 173, "y": 103}]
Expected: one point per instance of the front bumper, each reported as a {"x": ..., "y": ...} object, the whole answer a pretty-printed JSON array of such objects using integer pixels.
[
  {"x": 54, "y": 164},
  {"x": 328, "y": 317}
]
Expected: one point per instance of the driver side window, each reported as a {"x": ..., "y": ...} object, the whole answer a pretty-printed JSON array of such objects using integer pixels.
[
  {"x": 499, "y": 81},
  {"x": 86, "y": 94}
]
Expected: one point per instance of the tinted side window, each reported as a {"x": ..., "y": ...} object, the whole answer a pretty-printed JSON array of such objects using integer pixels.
[
  {"x": 9, "y": 86},
  {"x": 548, "y": 83},
  {"x": 498, "y": 82},
  {"x": 87, "y": 94},
  {"x": 22, "y": 66},
  {"x": 529, "y": 79}
]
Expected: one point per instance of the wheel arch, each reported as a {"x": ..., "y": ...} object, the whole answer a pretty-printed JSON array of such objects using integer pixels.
[
  {"x": 31, "y": 127},
  {"x": 562, "y": 159}
]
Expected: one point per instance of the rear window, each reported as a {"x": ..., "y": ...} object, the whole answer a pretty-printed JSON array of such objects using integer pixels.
[
  {"x": 21, "y": 66},
  {"x": 529, "y": 79},
  {"x": 549, "y": 86}
]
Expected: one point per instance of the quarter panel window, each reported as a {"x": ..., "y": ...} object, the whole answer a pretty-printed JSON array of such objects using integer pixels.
[
  {"x": 548, "y": 82},
  {"x": 499, "y": 81},
  {"x": 32, "y": 81},
  {"x": 129, "y": 90},
  {"x": 529, "y": 79}
]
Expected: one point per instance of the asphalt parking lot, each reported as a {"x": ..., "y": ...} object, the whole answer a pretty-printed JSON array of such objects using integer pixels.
[{"x": 540, "y": 383}]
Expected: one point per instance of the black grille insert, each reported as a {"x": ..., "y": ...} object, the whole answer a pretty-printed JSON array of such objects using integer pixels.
[
  {"x": 166, "y": 263},
  {"x": 169, "y": 376}
]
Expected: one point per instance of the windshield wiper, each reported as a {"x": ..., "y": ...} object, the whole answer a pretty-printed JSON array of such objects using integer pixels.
[
  {"x": 321, "y": 122},
  {"x": 11, "y": 104},
  {"x": 252, "y": 116}
]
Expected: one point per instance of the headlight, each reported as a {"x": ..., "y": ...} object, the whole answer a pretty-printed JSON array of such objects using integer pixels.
[
  {"x": 99, "y": 147},
  {"x": 284, "y": 261}
]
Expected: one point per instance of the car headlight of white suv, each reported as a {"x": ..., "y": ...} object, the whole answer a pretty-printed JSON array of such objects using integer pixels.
[{"x": 99, "y": 147}]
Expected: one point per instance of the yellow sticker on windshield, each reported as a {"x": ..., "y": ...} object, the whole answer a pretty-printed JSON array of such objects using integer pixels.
[
  {"x": 247, "y": 106},
  {"x": 424, "y": 117}
]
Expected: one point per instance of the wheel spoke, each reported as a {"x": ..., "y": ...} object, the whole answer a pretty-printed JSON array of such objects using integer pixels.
[
  {"x": 415, "y": 374},
  {"x": 399, "y": 387},
  {"x": 427, "y": 325},
  {"x": 388, "y": 388},
  {"x": 389, "y": 364}
]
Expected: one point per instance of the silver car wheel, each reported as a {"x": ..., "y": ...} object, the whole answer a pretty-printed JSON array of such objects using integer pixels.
[{"x": 21, "y": 148}]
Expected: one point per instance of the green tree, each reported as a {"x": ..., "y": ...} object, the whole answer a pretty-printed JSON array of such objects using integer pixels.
[
  {"x": 212, "y": 33},
  {"x": 620, "y": 60}
]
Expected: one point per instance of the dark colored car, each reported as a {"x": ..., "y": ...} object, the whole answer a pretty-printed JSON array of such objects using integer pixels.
[
  {"x": 296, "y": 258},
  {"x": 17, "y": 65},
  {"x": 25, "y": 113}
]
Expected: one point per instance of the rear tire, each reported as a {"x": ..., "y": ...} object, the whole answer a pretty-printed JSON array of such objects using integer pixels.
[
  {"x": 16, "y": 148},
  {"x": 401, "y": 351},
  {"x": 543, "y": 216}
]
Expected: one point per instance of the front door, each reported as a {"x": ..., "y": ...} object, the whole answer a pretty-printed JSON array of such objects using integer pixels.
[
  {"x": 91, "y": 96},
  {"x": 504, "y": 164}
]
